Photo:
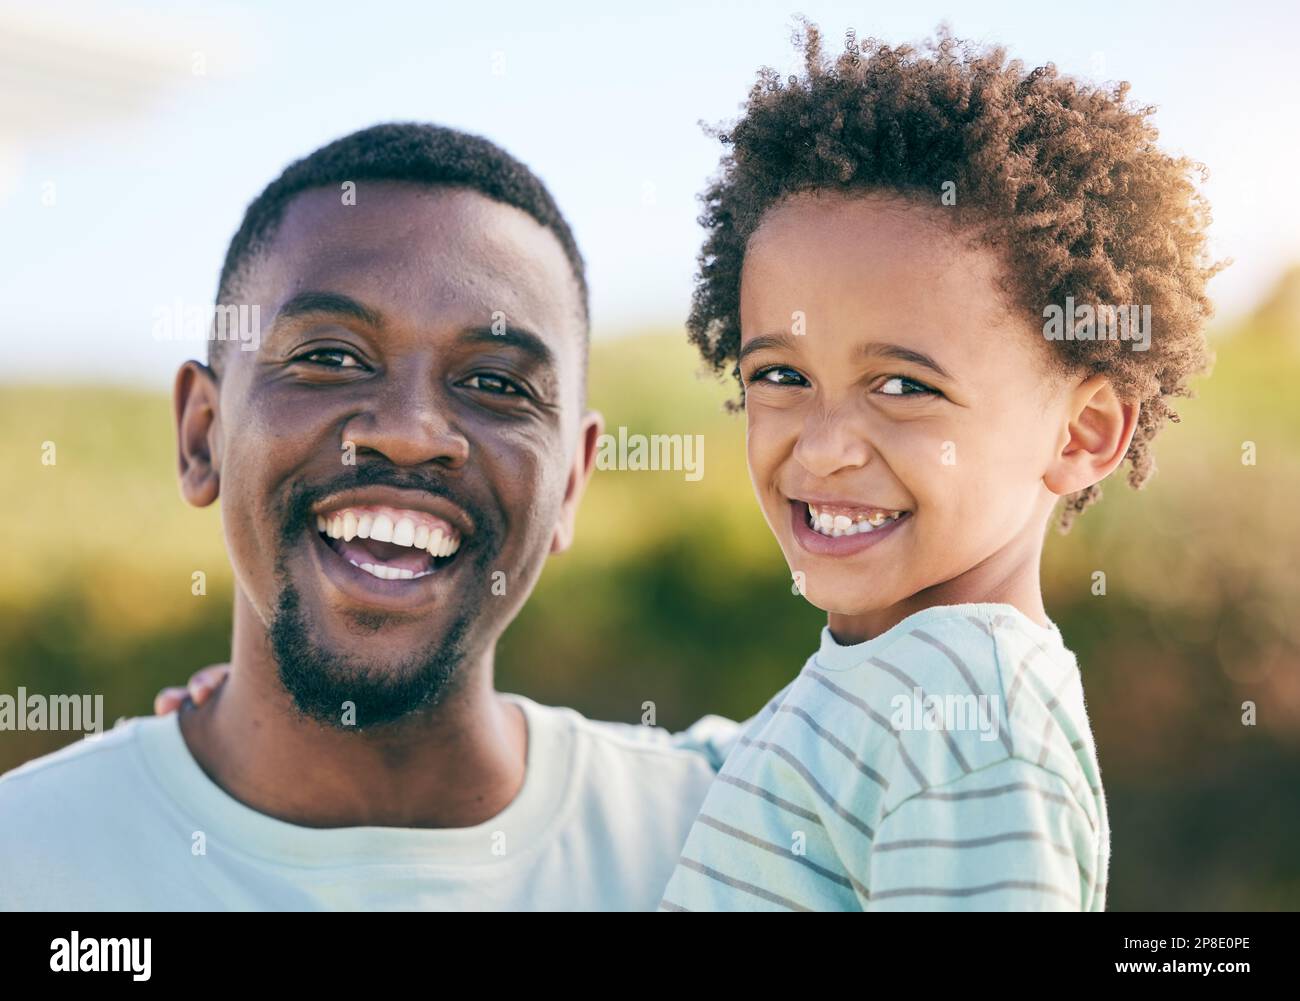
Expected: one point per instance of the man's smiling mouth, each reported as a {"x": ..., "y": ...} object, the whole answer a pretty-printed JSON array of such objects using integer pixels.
[{"x": 391, "y": 543}]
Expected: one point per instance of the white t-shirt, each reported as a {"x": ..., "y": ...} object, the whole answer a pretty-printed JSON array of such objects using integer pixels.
[{"x": 127, "y": 820}]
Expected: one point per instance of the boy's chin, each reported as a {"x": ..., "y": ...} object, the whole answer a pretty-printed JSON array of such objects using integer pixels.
[{"x": 848, "y": 600}]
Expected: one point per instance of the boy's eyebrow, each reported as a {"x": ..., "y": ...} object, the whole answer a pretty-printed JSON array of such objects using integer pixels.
[
  {"x": 870, "y": 348},
  {"x": 764, "y": 341},
  {"x": 903, "y": 354}
]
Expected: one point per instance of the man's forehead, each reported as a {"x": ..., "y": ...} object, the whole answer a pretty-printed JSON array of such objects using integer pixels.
[{"x": 423, "y": 254}]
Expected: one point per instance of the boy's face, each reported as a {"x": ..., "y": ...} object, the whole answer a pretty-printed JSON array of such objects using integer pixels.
[{"x": 893, "y": 397}]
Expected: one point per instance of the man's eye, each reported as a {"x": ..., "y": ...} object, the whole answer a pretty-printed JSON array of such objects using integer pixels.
[
  {"x": 900, "y": 385},
  {"x": 330, "y": 358},
  {"x": 493, "y": 384},
  {"x": 779, "y": 375}
]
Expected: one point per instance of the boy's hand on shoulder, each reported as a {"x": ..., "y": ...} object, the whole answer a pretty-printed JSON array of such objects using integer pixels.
[{"x": 202, "y": 684}]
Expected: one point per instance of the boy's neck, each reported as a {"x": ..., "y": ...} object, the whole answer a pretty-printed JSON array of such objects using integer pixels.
[{"x": 1009, "y": 577}]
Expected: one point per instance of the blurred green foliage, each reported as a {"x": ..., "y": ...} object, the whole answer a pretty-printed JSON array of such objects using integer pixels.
[{"x": 675, "y": 593}]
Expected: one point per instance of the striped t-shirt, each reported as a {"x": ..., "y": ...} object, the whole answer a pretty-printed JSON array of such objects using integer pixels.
[{"x": 946, "y": 764}]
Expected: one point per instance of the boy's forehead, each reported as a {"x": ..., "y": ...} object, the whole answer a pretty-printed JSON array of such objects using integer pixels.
[
  {"x": 867, "y": 254},
  {"x": 878, "y": 269}
]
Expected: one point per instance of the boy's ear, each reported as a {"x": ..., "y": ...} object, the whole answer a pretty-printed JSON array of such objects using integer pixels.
[
  {"x": 196, "y": 403},
  {"x": 584, "y": 461},
  {"x": 1095, "y": 439}
]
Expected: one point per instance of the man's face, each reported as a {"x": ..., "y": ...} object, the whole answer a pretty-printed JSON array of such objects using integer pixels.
[
  {"x": 909, "y": 415},
  {"x": 406, "y": 445}
]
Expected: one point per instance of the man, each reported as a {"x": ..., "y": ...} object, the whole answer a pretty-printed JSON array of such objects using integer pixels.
[{"x": 397, "y": 451}]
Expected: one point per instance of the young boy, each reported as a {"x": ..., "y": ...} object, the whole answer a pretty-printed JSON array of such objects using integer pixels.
[{"x": 896, "y": 241}]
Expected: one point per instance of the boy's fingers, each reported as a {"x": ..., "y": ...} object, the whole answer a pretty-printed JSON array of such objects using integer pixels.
[
  {"x": 210, "y": 677},
  {"x": 202, "y": 684},
  {"x": 168, "y": 701},
  {"x": 207, "y": 681}
]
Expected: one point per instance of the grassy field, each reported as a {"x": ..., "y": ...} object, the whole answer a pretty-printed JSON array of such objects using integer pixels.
[{"x": 675, "y": 593}]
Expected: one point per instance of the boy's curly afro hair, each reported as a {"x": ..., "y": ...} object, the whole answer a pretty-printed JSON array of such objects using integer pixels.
[{"x": 1063, "y": 178}]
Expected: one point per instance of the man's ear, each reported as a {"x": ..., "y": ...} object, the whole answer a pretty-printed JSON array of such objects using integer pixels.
[
  {"x": 1095, "y": 439},
  {"x": 196, "y": 402},
  {"x": 584, "y": 461}
]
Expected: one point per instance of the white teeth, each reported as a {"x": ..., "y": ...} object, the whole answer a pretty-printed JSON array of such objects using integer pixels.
[
  {"x": 389, "y": 573},
  {"x": 382, "y": 529},
  {"x": 837, "y": 525},
  {"x": 402, "y": 531}
]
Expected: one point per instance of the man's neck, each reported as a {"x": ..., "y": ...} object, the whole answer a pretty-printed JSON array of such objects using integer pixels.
[{"x": 456, "y": 765}]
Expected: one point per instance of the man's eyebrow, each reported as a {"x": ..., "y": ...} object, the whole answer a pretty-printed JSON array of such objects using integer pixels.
[
  {"x": 762, "y": 342},
  {"x": 335, "y": 303},
  {"x": 903, "y": 354},
  {"x": 514, "y": 337}
]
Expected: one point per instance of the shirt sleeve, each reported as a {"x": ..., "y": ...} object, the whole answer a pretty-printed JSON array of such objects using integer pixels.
[
  {"x": 1010, "y": 836},
  {"x": 712, "y": 736}
]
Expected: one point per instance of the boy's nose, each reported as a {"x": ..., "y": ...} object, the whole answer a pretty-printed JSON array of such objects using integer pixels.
[{"x": 829, "y": 443}]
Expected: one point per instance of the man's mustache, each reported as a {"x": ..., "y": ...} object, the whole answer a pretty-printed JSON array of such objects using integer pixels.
[{"x": 296, "y": 508}]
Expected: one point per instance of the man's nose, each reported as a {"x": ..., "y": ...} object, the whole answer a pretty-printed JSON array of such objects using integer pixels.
[
  {"x": 832, "y": 440},
  {"x": 410, "y": 422}
]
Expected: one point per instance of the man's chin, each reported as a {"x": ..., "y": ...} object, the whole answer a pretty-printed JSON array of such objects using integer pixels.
[{"x": 353, "y": 690}]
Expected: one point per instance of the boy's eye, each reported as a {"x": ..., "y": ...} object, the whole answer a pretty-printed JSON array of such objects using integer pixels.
[
  {"x": 901, "y": 385},
  {"x": 493, "y": 384},
  {"x": 779, "y": 375},
  {"x": 330, "y": 358}
]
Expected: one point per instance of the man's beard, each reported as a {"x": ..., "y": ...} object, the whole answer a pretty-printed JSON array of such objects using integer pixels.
[
  {"x": 323, "y": 683},
  {"x": 348, "y": 692}
]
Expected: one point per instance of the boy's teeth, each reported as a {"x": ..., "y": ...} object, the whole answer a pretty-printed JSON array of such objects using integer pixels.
[
  {"x": 382, "y": 529},
  {"x": 825, "y": 523},
  {"x": 363, "y": 526},
  {"x": 349, "y": 526}
]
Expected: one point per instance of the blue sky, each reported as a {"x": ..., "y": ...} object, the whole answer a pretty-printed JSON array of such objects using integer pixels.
[{"x": 604, "y": 104}]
